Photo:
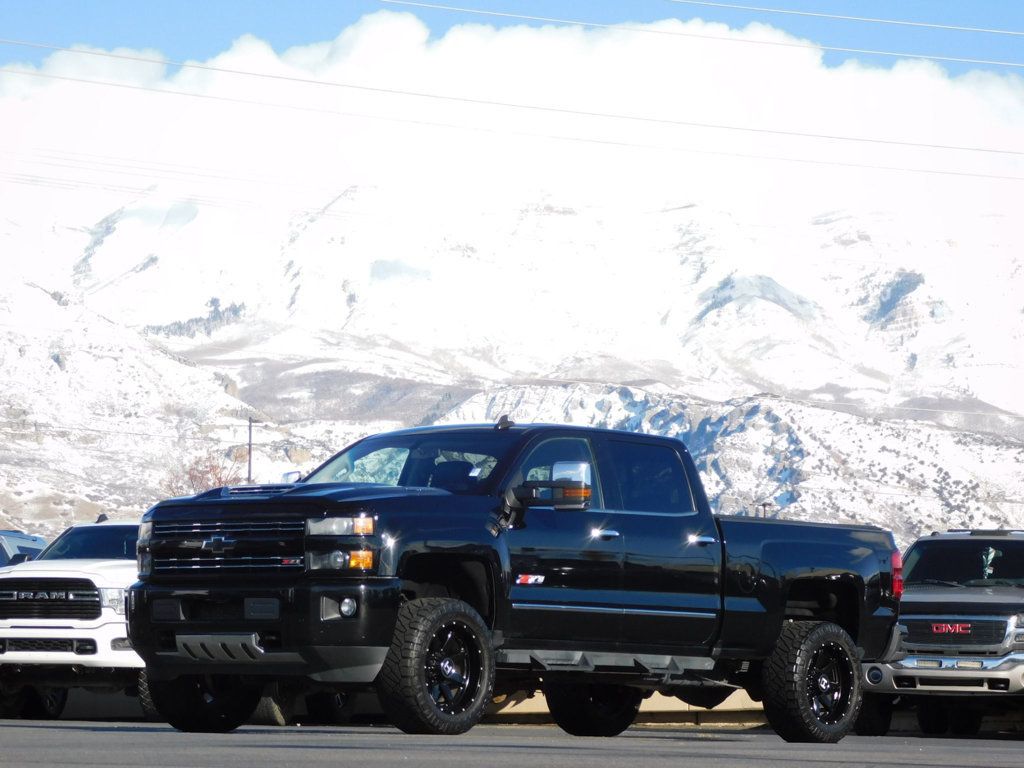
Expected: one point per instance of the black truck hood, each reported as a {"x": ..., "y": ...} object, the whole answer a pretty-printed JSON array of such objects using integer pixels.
[
  {"x": 937, "y": 600},
  {"x": 298, "y": 492}
]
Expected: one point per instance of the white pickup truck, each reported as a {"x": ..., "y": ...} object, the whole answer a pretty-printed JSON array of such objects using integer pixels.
[{"x": 62, "y": 621}]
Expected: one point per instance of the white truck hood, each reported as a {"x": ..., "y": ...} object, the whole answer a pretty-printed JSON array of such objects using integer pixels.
[{"x": 102, "y": 573}]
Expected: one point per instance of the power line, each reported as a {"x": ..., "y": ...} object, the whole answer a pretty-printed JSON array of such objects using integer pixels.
[
  {"x": 702, "y": 36},
  {"x": 867, "y": 19},
  {"x": 568, "y": 138},
  {"x": 487, "y": 102}
]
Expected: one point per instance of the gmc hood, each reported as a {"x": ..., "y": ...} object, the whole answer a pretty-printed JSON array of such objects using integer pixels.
[{"x": 299, "y": 492}]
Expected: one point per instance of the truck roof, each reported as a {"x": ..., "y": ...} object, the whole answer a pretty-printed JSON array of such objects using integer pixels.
[{"x": 968, "y": 533}]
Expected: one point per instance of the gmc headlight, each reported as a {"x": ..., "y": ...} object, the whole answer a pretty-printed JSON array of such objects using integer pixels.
[
  {"x": 340, "y": 526},
  {"x": 112, "y": 598},
  {"x": 145, "y": 532}
]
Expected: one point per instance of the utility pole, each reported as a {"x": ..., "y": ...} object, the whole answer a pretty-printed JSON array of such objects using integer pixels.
[{"x": 248, "y": 475}]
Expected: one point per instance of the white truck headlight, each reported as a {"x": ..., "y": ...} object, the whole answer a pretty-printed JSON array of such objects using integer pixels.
[
  {"x": 340, "y": 526},
  {"x": 112, "y": 598}
]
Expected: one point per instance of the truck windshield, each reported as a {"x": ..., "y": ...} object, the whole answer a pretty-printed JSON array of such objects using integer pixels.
[
  {"x": 95, "y": 542},
  {"x": 966, "y": 562},
  {"x": 458, "y": 462}
]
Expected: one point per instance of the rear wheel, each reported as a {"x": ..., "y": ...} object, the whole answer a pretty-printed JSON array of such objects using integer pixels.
[
  {"x": 329, "y": 707},
  {"x": 12, "y": 701},
  {"x": 204, "y": 703},
  {"x": 44, "y": 702},
  {"x": 875, "y": 716},
  {"x": 438, "y": 675},
  {"x": 964, "y": 722},
  {"x": 591, "y": 709},
  {"x": 932, "y": 718},
  {"x": 149, "y": 711},
  {"x": 811, "y": 685}
]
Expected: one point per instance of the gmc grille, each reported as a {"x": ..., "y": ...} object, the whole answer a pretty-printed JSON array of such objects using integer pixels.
[
  {"x": 49, "y": 599},
  {"x": 228, "y": 546},
  {"x": 982, "y": 631}
]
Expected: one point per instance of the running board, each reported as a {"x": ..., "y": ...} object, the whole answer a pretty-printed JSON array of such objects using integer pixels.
[{"x": 589, "y": 661}]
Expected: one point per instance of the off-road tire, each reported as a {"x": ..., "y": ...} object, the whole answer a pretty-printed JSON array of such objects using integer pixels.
[
  {"x": 12, "y": 702},
  {"x": 812, "y": 683},
  {"x": 932, "y": 718},
  {"x": 964, "y": 721},
  {"x": 875, "y": 716},
  {"x": 437, "y": 643},
  {"x": 149, "y": 710},
  {"x": 204, "y": 703},
  {"x": 44, "y": 702},
  {"x": 329, "y": 707},
  {"x": 592, "y": 709}
]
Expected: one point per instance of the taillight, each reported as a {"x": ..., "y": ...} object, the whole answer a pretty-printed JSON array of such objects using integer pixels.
[{"x": 897, "y": 574}]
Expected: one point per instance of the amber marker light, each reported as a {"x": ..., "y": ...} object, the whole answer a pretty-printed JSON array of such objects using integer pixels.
[
  {"x": 360, "y": 559},
  {"x": 576, "y": 493},
  {"x": 362, "y": 526}
]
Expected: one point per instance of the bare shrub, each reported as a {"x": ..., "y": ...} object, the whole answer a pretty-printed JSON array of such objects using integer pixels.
[{"x": 202, "y": 473}]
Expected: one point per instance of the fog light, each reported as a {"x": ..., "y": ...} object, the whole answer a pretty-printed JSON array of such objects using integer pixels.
[
  {"x": 929, "y": 664},
  {"x": 360, "y": 559},
  {"x": 120, "y": 644},
  {"x": 875, "y": 675},
  {"x": 348, "y": 607}
]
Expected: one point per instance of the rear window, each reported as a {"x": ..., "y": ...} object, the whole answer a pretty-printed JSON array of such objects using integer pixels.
[
  {"x": 100, "y": 542},
  {"x": 650, "y": 477}
]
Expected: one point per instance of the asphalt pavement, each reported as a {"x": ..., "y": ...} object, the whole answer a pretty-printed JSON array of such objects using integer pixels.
[{"x": 80, "y": 743}]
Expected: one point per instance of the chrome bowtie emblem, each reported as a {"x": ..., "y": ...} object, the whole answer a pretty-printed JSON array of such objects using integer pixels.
[{"x": 218, "y": 545}]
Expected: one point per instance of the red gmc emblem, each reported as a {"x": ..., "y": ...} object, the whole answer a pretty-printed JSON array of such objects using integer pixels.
[{"x": 951, "y": 629}]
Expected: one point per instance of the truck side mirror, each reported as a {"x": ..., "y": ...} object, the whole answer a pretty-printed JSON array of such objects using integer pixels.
[
  {"x": 568, "y": 488},
  {"x": 21, "y": 557},
  {"x": 291, "y": 477}
]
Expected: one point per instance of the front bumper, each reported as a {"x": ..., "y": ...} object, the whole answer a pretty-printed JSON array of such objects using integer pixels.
[
  {"x": 100, "y": 645},
  {"x": 948, "y": 675},
  {"x": 270, "y": 631}
]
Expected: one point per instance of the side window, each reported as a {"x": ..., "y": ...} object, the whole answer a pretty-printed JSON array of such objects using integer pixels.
[
  {"x": 651, "y": 477},
  {"x": 28, "y": 550},
  {"x": 541, "y": 459}
]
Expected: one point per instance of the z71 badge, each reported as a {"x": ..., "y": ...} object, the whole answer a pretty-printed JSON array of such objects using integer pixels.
[{"x": 529, "y": 578}]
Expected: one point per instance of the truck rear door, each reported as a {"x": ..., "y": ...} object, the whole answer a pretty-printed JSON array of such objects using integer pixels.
[{"x": 673, "y": 556}]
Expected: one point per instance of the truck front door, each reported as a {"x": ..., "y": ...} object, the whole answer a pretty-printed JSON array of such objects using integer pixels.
[{"x": 566, "y": 579}]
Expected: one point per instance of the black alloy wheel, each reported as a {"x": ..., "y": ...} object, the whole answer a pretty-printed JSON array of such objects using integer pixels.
[
  {"x": 205, "y": 703},
  {"x": 451, "y": 667},
  {"x": 830, "y": 683},
  {"x": 438, "y": 675},
  {"x": 811, "y": 686}
]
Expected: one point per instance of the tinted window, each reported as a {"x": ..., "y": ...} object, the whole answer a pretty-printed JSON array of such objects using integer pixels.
[
  {"x": 99, "y": 542},
  {"x": 28, "y": 550},
  {"x": 651, "y": 477},
  {"x": 459, "y": 462},
  {"x": 971, "y": 562}
]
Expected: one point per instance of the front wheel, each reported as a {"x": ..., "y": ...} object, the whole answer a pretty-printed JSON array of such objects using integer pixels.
[
  {"x": 811, "y": 685},
  {"x": 438, "y": 675},
  {"x": 592, "y": 709},
  {"x": 875, "y": 716},
  {"x": 932, "y": 718},
  {"x": 965, "y": 722},
  {"x": 204, "y": 703}
]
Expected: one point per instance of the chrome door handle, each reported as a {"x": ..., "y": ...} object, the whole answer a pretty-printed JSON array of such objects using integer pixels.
[
  {"x": 701, "y": 541},
  {"x": 604, "y": 534}
]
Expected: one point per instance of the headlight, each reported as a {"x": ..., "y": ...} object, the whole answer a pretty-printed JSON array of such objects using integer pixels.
[
  {"x": 112, "y": 598},
  {"x": 145, "y": 532},
  {"x": 340, "y": 526},
  {"x": 145, "y": 564},
  {"x": 355, "y": 560}
]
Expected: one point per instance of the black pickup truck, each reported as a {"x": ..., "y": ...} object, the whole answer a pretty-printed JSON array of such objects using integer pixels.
[{"x": 444, "y": 565}]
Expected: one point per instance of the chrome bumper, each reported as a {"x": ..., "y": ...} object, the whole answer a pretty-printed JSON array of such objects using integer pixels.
[{"x": 927, "y": 674}]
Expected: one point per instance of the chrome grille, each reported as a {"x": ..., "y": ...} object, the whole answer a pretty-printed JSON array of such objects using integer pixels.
[
  {"x": 235, "y": 545},
  {"x": 49, "y": 599},
  {"x": 982, "y": 631}
]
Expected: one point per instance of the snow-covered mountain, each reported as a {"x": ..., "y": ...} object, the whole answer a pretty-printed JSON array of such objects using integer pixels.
[{"x": 840, "y": 367}]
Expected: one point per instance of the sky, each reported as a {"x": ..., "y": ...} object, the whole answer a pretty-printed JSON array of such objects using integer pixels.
[{"x": 198, "y": 29}]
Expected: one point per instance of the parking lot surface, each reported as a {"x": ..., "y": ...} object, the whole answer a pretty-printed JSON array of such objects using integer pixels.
[{"x": 79, "y": 743}]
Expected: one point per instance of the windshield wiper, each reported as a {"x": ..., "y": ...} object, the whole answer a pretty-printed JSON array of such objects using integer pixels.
[{"x": 940, "y": 582}]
